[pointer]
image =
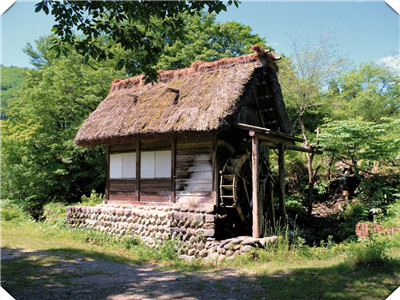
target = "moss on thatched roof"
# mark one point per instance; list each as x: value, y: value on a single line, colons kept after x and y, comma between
x: 194, y: 99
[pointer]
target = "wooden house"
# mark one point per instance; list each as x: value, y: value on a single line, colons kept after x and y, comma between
x: 193, y: 137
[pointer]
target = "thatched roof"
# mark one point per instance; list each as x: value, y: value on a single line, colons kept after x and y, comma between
x: 195, y: 99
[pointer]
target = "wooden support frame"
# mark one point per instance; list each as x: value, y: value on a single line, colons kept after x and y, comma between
x: 270, y: 208
x: 282, y: 200
x: 215, y: 166
x: 137, y: 170
x: 107, y: 190
x: 173, y: 170
x: 257, y: 207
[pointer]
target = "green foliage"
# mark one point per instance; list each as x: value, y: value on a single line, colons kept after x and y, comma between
x: 40, y: 162
x: 54, y: 214
x: 93, y: 199
x: 207, y: 40
x: 140, y: 28
x: 168, y: 249
x: 12, y: 79
x: 303, y: 79
x: 371, y: 92
x: 362, y: 142
x: 10, y: 211
x: 370, y: 254
x: 393, y: 213
x: 375, y: 192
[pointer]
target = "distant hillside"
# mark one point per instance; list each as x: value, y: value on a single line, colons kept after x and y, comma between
x: 12, y: 79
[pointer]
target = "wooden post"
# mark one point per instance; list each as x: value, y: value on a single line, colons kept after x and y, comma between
x: 173, y: 168
x: 215, y: 164
x: 270, y: 193
x: 282, y: 201
x: 255, y: 149
x: 137, y: 171
x: 107, y: 191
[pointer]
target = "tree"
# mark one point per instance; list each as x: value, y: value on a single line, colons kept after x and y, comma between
x: 40, y: 162
x: 359, y: 141
x: 12, y: 79
x: 141, y: 28
x: 372, y: 151
x: 303, y: 80
x: 371, y: 92
x: 208, y: 40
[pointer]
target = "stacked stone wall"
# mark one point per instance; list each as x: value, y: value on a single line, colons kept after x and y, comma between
x: 193, y: 228
x: 364, y: 230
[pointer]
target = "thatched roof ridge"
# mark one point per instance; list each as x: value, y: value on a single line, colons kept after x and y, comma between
x: 194, y: 99
x: 164, y: 76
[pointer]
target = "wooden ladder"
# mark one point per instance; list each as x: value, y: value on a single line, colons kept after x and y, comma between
x: 227, y: 190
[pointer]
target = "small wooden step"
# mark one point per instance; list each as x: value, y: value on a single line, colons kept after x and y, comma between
x: 227, y: 196
x: 228, y: 187
x: 229, y: 206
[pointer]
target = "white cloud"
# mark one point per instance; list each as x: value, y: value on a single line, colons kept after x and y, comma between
x: 392, y: 62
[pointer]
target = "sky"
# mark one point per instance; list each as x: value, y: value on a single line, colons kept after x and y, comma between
x: 363, y: 31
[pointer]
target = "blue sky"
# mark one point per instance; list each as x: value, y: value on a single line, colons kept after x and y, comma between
x: 363, y: 30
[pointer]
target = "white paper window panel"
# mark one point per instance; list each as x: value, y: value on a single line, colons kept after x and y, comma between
x: 163, y: 164
x: 123, y: 165
x: 115, y: 165
x: 147, y: 163
x: 129, y: 165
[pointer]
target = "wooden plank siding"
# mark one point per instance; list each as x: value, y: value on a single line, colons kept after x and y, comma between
x: 192, y: 175
x: 194, y: 171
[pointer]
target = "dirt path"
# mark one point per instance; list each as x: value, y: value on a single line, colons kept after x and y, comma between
x: 28, y: 275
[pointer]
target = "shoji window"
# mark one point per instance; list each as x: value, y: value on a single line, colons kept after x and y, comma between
x: 155, y: 164
x: 123, y: 165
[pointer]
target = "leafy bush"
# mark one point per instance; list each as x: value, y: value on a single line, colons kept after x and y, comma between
x: 9, y: 211
x: 379, y: 190
x: 371, y: 253
x: 54, y: 213
x: 93, y: 199
x: 393, y: 213
x: 168, y: 249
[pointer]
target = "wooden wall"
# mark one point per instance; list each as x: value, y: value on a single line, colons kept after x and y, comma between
x: 191, y: 181
x: 259, y: 102
x: 120, y: 190
x: 194, y: 171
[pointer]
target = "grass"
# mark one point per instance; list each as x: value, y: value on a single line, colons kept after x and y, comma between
x: 369, y: 270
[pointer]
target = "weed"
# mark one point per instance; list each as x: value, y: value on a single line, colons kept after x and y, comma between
x: 93, y: 199
x: 168, y: 249
x: 10, y: 211
x: 370, y: 253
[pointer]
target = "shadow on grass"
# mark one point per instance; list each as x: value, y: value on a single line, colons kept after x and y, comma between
x: 80, y: 274
x: 335, y: 282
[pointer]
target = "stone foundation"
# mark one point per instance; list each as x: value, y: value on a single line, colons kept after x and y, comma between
x: 193, y: 228
x: 364, y: 230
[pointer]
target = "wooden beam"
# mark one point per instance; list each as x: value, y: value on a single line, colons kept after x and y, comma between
x: 173, y: 170
x: 137, y: 171
x: 269, y: 138
x: 303, y: 149
x: 270, y: 193
x: 215, y: 166
x: 266, y: 131
x: 258, y: 106
x: 107, y: 191
x: 255, y: 149
x: 282, y: 200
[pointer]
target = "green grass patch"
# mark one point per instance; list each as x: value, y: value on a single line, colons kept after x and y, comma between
x: 286, y: 270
